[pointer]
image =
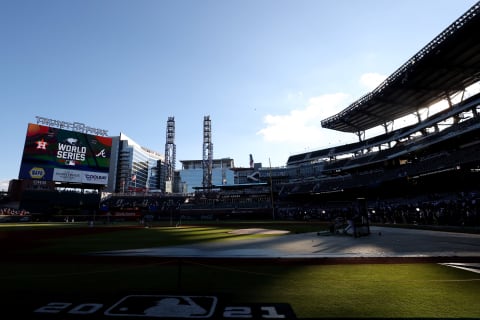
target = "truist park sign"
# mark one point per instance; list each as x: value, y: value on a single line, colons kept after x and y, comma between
x: 73, y: 126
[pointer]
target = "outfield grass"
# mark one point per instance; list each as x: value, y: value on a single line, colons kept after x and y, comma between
x: 313, y: 291
x: 380, y: 290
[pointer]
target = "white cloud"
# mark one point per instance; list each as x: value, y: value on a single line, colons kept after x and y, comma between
x: 371, y: 80
x: 4, y: 185
x: 301, y: 127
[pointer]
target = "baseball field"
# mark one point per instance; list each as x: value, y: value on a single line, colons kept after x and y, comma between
x: 65, y: 271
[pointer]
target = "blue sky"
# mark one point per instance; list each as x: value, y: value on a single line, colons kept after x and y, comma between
x: 265, y: 71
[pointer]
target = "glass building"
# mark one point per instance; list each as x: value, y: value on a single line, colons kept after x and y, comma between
x: 136, y: 168
x: 191, y: 174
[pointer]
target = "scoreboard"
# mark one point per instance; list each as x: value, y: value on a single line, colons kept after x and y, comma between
x: 54, y: 154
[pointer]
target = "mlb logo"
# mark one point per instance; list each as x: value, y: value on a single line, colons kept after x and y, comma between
x: 164, y: 306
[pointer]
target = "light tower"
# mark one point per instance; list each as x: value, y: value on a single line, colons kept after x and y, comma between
x: 207, y: 162
x: 170, y: 155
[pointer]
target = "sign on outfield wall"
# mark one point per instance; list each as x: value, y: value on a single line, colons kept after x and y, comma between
x: 53, y: 154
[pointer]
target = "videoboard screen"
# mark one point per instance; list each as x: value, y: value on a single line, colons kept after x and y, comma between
x: 54, y: 154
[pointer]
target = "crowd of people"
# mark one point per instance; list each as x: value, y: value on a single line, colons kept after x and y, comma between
x: 454, y: 209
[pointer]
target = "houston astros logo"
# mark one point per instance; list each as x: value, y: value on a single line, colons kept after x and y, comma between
x: 42, y: 144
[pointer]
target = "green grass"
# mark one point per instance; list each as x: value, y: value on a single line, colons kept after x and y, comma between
x: 133, y: 238
x: 313, y: 291
x: 405, y: 290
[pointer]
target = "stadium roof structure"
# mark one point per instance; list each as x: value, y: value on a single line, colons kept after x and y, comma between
x: 448, y: 64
